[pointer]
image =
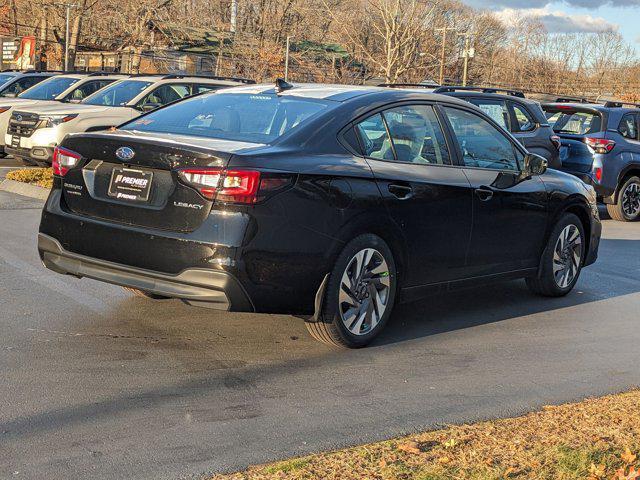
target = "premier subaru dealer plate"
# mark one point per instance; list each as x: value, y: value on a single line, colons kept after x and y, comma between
x: 129, y: 184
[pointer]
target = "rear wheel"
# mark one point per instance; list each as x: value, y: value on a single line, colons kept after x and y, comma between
x: 359, y: 295
x: 561, y: 260
x: 627, y: 208
x: 142, y: 293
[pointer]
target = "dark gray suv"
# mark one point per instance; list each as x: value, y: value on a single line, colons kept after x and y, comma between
x: 601, y: 145
x: 523, y: 117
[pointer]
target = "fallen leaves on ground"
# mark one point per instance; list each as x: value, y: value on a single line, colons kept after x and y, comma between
x: 598, y: 439
x: 43, y: 177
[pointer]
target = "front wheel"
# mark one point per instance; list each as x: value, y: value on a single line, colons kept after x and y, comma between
x: 359, y: 295
x: 627, y: 208
x: 562, y: 259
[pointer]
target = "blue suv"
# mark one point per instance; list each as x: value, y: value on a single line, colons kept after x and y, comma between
x: 601, y: 145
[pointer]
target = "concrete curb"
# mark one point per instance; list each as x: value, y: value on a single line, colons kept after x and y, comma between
x: 24, y: 189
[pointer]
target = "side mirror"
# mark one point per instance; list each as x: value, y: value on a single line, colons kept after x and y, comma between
x: 534, y: 164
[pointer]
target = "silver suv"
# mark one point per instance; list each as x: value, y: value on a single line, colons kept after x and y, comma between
x: 66, y: 88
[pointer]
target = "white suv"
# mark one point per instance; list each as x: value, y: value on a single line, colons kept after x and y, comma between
x: 67, y: 88
x: 33, y: 133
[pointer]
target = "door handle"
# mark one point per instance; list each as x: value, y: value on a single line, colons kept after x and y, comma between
x: 400, y: 191
x: 484, y: 194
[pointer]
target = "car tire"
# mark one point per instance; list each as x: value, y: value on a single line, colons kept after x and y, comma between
x: 562, y: 259
x: 352, y: 317
x: 142, y: 293
x: 627, y: 208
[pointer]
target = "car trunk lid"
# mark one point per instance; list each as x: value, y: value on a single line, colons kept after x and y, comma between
x: 134, y: 179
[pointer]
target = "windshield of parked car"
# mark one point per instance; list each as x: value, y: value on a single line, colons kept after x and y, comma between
x: 574, y: 121
x: 5, y: 78
x: 117, y: 94
x: 48, y: 89
x: 257, y: 118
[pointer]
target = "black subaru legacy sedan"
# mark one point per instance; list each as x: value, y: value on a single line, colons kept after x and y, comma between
x: 329, y: 202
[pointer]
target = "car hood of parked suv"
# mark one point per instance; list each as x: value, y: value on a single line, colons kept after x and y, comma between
x: 16, y: 101
x: 58, y: 108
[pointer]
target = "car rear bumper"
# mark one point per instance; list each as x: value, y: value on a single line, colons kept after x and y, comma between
x: 36, y: 154
x: 197, y: 286
x: 601, y: 190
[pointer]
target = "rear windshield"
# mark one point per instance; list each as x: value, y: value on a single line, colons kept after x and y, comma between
x: 573, y: 121
x: 117, y: 94
x: 48, y: 89
x: 256, y: 118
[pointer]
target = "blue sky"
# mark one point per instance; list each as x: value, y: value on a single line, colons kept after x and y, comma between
x: 576, y: 15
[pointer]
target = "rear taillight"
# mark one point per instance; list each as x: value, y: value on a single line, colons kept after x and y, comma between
x: 556, y: 140
x: 239, y: 186
x: 234, y: 186
x: 600, y: 145
x: 64, y: 160
x: 204, y: 180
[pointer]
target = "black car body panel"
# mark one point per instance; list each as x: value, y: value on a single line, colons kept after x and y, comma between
x: 277, y: 251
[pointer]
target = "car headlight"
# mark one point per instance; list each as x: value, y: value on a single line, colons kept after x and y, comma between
x: 54, y: 120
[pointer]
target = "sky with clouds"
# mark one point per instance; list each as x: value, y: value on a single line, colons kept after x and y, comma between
x: 575, y: 15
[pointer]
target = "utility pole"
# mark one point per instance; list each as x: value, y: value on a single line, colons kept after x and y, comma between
x: 286, y: 60
x: 234, y: 15
x: 68, y: 6
x: 467, y: 53
x: 443, y: 52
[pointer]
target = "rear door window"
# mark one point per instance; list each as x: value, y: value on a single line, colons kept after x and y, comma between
x: 86, y: 89
x: 482, y: 145
x: 629, y: 126
x: 496, y: 109
x: 523, y: 120
x: 376, y: 142
x: 164, y: 94
x: 416, y: 135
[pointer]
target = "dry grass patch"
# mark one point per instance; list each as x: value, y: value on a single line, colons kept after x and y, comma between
x: 42, y: 177
x: 593, y: 440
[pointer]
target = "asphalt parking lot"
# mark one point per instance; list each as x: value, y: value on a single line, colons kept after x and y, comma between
x: 97, y: 384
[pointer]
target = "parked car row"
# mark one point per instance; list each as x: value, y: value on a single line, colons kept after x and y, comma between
x: 599, y: 143
x: 330, y: 202
x: 37, y: 119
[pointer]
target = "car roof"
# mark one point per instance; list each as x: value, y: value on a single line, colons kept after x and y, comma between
x: 342, y: 93
x: 36, y: 72
x: 319, y: 91
x: 162, y: 78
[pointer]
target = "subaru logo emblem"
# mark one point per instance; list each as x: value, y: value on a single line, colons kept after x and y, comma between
x: 125, y: 153
x: 19, y: 118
